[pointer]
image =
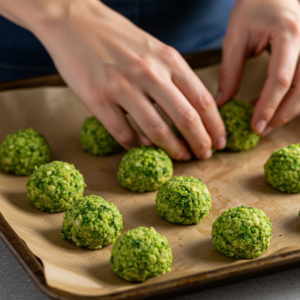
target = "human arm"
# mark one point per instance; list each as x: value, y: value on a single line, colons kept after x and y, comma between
x: 253, y: 26
x: 116, y: 68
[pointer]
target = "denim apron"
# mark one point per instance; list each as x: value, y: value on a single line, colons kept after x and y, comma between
x: 187, y: 25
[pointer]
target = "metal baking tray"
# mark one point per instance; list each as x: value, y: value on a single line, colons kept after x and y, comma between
x: 185, y: 285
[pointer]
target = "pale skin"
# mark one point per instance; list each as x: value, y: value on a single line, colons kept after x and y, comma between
x: 116, y: 68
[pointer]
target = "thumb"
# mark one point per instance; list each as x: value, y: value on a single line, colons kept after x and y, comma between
x: 232, y: 66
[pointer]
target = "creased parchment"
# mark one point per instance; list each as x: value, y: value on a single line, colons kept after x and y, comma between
x: 233, y: 179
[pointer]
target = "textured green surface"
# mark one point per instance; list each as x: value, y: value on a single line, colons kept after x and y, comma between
x: 183, y: 200
x: 21, y: 151
x: 242, y: 232
x: 91, y: 222
x: 140, y: 254
x: 282, y: 170
x: 236, y: 115
x: 144, y: 169
x: 54, y: 186
x: 96, y: 140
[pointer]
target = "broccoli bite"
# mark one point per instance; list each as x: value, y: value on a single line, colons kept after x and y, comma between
x: 183, y: 200
x: 91, y: 222
x: 140, y: 254
x: 21, y: 151
x: 282, y: 170
x: 96, y: 140
x: 236, y: 115
x: 242, y: 232
x: 54, y: 186
x: 144, y: 169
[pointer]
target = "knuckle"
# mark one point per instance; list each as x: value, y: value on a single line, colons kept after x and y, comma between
x: 158, y: 131
x: 188, y: 118
x: 225, y: 75
x: 206, y: 102
x: 144, y: 67
x: 291, y: 22
x: 202, y: 147
x: 219, y: 130
x: 283, y: 79
x: 170, y: 54
x: 267, y: 112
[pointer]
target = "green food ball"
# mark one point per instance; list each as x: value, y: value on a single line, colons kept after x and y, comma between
x: 242, y: 232
x: 236, y: 115
x: 140, y: 254
x: 21, y: 151
x: 96, y: 140
x: 91, y: 222
x: 282, y: 170
x: 54, y: 186
x: 144, y: 169
x: 183, y: 200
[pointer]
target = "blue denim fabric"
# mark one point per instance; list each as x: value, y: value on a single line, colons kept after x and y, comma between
x: 187, y: 25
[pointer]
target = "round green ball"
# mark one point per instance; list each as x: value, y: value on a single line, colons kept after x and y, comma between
x: 144, y: 169
x: 96, y: 140
x: 242, y: 232
x: 183, y: 200
x: 21, y: 151
x: 282, y: 170
x: 236, y: 115
x: 140, y: 254
x: 91, y: 222
x: 54, y: 186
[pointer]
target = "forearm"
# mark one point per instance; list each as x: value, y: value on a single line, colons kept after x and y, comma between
x: 35, y: 15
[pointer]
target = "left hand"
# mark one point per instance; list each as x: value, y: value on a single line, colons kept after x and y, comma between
x: 253, y: 26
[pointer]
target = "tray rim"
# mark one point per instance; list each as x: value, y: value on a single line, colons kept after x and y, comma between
x: 190, y: 283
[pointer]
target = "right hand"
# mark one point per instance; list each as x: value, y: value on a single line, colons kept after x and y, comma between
x: 116, y: 68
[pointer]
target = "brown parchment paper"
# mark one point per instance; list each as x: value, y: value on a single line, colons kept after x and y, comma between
x: 233, y: 179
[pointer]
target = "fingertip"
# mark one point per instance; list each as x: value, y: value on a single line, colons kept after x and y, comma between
x: 206, y: 155
x: 187, y: 156
x: 218, y: 97
x: 259, y: 126
x: 220, y: 143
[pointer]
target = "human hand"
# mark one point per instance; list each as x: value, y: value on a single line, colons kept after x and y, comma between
x: 116, y: 68
x: 253, y: 26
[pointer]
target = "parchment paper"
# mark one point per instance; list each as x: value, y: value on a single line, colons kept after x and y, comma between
x: 233, y: 179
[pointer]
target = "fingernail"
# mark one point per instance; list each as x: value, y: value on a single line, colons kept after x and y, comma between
x: 207, y: 154
x: 221, y: 143
x: 187, y: 156
x: 260, y: 126
x: 218, y: 97
x: 267, y: 131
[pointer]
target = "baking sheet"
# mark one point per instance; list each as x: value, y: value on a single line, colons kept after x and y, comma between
x: 233, y: 179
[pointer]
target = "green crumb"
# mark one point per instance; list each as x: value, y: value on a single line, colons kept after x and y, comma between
x: 236, y: 115
x: 21, y: 151
x: 282, y: 170
x: 144, y: 169
x: 140, y: 254
x: 53, y: 187
x: 96, y: 140
x: 242, y: 232
x: 91, y: 222
x: 183, y: 200
x: 280, y: 235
